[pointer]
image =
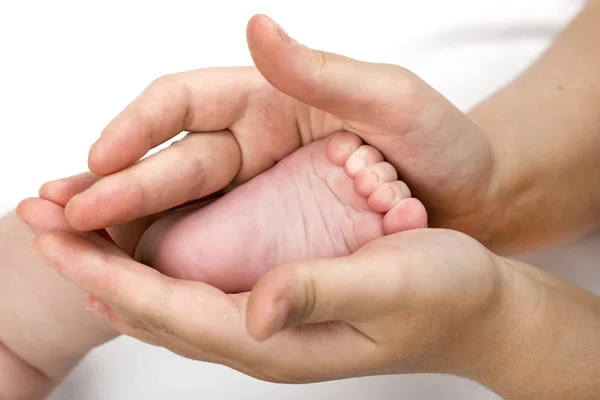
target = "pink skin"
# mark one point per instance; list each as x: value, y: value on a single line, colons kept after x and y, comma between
x: 327, y: 199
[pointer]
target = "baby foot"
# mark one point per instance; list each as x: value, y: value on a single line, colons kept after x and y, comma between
x: 327, y: 199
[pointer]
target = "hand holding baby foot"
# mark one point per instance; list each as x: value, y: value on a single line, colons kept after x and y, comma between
x: 245, y: 120
x: 327, y: 199
x: 395, y: 306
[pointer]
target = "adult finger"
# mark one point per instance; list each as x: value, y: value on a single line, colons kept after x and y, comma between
x: 105, y: 272
x: 198, y: 320
x: 382, y: 94
x: 154, y: 335
x: 60, y: 191
x: 204, y: 100
x: 196, y: 166
x: 379, y: 102
x: 42, y: 215
x: 389, y: 107
x: 347, y: 289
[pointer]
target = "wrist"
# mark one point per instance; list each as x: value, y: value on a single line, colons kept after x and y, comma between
x: 542, y: 192
x: 512, y: 357
x: 517, y: 187
x: 488, y: 348
x: 545, y: 339
x: 543, y: 130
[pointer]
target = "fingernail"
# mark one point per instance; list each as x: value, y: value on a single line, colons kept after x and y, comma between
x: 94, y: 306
x: 41, y: 188
x: 283, y: 34
x: 25, y: 224
x: 92, y: 148
x: 95, y: 312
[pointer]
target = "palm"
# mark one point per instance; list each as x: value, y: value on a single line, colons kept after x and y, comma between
x: 429, y: 155
x: 396, y: 300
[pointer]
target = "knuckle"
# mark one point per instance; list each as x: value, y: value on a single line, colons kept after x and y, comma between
x: 133, y: 322
x: 310, y: 295
x: 411, y: 92
x: 328, y: 68
x: 176, y: 89
x: 195, y: 166
x: 162, y: 81
x: 159, y: 300
x: 127, y: 323
x: 139, y: 115
x: 146, y: 336
x: 138, y: 192
x: 159, y: 320
x: 404, y: 97
x: 411, y: 84
x: 299, y: 274
x: 321, y: 59
x: 174, y: 85
x: 140, y: 308
x: 104, y: 283
x: 321, y: 64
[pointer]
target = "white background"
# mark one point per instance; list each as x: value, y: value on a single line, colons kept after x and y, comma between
x: 67, y: 67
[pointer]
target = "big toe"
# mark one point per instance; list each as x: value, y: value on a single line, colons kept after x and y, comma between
x: 341, y: 146
x: 405, y: 215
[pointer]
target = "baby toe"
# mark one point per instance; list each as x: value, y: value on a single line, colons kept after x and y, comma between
x: 369, y: 179
x: 364, y: 157
x: 387, y: 195
x: 341, y: 146
x: 406, y: 215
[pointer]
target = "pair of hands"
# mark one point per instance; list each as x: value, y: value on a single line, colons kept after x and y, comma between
x: 420, y: 301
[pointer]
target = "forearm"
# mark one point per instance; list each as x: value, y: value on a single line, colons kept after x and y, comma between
x: 18, y: 380
x: 545, y: 131
x: 549, y: 345
x: 44, y: 328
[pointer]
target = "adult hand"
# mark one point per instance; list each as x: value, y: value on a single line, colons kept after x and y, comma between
x: 260, y: 115
x: 393, y: 304
x: 419, y: 301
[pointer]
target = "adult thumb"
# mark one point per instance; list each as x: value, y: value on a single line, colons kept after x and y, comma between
x: 354, y: 288
x: 381, y: 94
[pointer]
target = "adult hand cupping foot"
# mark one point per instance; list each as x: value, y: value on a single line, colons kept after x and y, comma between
x: 450, y: 164
x: 263, y: 114
x: 321, y: 201
x: 418, y: 301
x: 471, y: 177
